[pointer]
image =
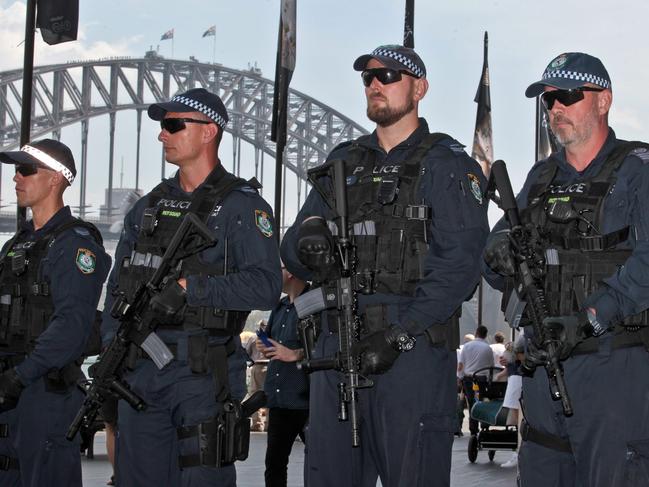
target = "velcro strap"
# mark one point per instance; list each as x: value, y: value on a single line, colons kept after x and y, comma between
x: 544, y: 439
x: 9, y: 463
x: 207, y: 435
x: 593, y: 244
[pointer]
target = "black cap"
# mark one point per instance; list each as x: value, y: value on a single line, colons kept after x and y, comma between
x: 194, y: 100
x: 395, y: 57
x: 47, y: 153
x: 571, y: 70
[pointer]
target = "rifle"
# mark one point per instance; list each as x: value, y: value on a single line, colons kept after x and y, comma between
x: 137, y: 325
x: 529, y: 289
x: 338, y: 294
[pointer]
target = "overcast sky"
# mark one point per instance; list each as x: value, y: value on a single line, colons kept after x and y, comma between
x: 524, y: 36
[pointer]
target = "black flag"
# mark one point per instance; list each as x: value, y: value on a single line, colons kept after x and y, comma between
x: 483, y: 150
x: 546, y: 142
x: 58, y: 20
x: 409, y: 25
x: 285, y: 64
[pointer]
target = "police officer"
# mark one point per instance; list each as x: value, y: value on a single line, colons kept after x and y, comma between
x: 200, y: 314
x: 286, y: 386
x: 51, y: 276
x: 589, y: 203
x: 418, y: 221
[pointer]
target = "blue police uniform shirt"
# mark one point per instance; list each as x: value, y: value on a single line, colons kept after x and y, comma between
x: 286, y: 386
x: 627, y: 291
x: 456, y: 237
x: 252, y: 251
x: 75, y: 288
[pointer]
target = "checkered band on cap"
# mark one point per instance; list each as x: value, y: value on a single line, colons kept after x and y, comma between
x: 200, y: 107
x: 407, y: 62
x: 48, y: 161
x: 585, y: 77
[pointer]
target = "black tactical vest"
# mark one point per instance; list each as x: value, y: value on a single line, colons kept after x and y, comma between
x: 389, y: 224
x: 569, y: 217
x: 25, y: 300
x: 160, y: 222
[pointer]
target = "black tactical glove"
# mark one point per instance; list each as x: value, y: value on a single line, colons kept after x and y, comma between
x: 10, y: 389
x: 498, y: 254
x: 169, y: 301
x: 379, y: 350
x: 315, y: 245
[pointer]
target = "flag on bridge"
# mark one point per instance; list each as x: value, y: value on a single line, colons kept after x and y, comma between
x: 58, y: 20
x: 483, y: 150
x: 284, y: 66
x: 210, y: 32
x: 167, y: 35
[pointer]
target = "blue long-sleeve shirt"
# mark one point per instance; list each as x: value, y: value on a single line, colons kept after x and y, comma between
x: 626, y: 292
x: 286, y: 386
x: 457, y: 233
x: 75, y: 267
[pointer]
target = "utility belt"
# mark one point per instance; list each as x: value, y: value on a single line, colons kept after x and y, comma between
x: 56, y: 380
x: 375, y: 318
x: 624, y: 338
x: 217, y: 322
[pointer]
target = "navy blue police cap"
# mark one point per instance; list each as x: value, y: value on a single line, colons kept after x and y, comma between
x: 194, y: 100
x: 47, y: 153
x: 396, y: 57
x: 571, y: 70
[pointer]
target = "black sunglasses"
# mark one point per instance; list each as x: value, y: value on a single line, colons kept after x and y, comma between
x: 565, y: 97
x: 384, y: 75
x: 173, y: 125
x: 26, y: 170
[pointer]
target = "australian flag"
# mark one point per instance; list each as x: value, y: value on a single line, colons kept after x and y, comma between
x: 58, y: 20
x: 483, y: 150
x: 167, y: 35
x: 210, y: 32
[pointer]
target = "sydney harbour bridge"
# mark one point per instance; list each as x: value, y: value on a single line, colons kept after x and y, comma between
x: 75, y: 92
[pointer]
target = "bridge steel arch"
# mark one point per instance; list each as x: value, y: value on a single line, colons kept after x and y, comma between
x: 75, y: 92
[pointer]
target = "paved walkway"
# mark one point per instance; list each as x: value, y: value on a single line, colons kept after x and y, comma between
x: 250, y: 473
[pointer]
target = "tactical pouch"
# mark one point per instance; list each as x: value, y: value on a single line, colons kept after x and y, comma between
x: 197, y: 356
x: 375, y: 318
x: 221, y: 441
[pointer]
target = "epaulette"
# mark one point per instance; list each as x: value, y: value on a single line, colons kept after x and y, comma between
x: 641, y: 153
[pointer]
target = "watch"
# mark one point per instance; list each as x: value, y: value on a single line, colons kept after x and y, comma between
x: 403, y: 342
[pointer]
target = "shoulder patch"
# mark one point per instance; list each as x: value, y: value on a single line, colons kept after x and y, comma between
x: 86, y: 261
x: 263, y: 223
x: 81, y: 231
x: 452, y: 144
x: 474, y: 186
x: 247, y: 189
x: 641, y: 153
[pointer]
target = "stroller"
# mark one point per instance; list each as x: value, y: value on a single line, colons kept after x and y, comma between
x: 493, y: 434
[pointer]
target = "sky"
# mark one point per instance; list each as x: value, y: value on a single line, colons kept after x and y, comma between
x: 523, y: 37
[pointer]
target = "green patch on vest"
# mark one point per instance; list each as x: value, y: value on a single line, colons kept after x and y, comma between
x: 175, y: 214
x: 86, y: 261
x: 262, y: 220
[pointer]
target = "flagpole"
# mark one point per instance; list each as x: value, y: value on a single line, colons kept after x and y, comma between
x: 28, y: 79
x: 214, y: 48
x: 409, y: 25
x: 173, y: 35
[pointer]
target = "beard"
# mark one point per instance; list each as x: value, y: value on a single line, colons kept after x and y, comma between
x: 385, y: 115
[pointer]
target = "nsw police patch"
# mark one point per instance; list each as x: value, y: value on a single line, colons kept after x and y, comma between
x: 474, y: 186
x: 262, y: 220
x: 86, y: 261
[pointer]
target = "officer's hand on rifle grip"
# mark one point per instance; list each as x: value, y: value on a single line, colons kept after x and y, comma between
x: 10, y: 390
x: 379, y: 350
x: 498, y: 254
x: 169, y: 301
x: 315, y: 244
